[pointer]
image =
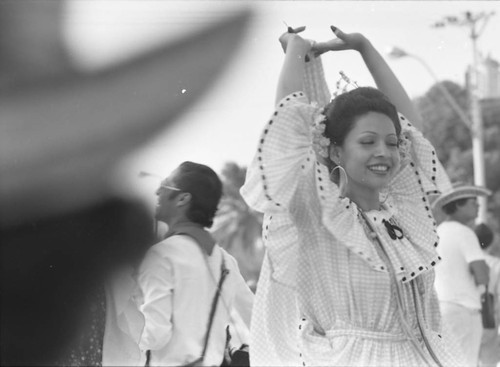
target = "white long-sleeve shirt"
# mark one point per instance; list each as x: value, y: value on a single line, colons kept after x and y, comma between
x: 178, y: 289
x: 458, y: 246
x: 124, y: 321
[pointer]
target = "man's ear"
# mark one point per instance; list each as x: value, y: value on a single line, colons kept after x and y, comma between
x: 184, y: 199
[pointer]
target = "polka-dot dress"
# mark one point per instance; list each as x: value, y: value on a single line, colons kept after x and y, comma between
x: 325, y: 295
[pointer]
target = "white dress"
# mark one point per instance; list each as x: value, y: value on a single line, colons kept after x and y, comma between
x: 325, y: 296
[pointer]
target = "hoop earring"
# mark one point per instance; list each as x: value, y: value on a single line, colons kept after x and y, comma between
x: 343, y: 180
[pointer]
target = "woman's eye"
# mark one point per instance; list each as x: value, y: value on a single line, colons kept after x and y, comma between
x: 392, y: 143
x: 365, y: 142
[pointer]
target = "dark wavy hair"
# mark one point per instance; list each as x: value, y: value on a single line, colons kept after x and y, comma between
x: 205, y: 188
x: 452, y: 207
x: 344, y: 110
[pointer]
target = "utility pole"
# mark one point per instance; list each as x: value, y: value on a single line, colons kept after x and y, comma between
x: 396, y: 53
x: 476, y: 24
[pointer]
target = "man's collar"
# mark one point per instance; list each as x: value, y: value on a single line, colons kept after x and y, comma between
x: 202, y: 237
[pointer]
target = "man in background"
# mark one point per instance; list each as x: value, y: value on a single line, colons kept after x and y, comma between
x: 462, y: 273
x: 191, y: 286
x: 489, y: 354
x: 67, y: 222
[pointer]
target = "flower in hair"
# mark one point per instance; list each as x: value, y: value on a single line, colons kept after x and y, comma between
x: 321, y: 143
x: 344, y: 84
x: 404, y: 146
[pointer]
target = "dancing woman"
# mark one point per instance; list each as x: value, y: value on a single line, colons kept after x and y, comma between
x: 345, y: 184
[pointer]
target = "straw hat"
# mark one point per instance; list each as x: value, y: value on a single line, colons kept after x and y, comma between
x: 460, y: 191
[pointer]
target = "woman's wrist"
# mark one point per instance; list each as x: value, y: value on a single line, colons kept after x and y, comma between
x: 364, y: 45
x: 298, y: 45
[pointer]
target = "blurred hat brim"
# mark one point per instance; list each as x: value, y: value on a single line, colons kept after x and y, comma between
x: 51, y: 165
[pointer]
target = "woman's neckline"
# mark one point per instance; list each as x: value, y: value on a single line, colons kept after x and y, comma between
x: 380, y: 208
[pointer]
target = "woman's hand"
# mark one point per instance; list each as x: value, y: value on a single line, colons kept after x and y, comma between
x: 385, y: 79
x: 344, y: 41
x: 292, y: 36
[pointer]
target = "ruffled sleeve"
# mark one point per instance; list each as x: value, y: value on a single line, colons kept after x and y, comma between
x: 285, y: 146
x: 419, y: 156
x: 285, y: 143
x: 420, y: 176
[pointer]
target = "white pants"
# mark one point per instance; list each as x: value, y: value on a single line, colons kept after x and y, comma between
x: 466, y: 327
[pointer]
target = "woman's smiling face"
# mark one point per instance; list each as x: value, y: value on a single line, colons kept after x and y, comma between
x: 369, y: 154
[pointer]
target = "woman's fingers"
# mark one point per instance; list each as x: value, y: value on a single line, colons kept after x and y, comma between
x: 296, y: 30
x: 347, y: 41
x: 335, y: 44
x: 319, y: 48
x: 337, y: 32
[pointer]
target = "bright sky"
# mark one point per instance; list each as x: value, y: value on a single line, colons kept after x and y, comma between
x: 225, y: 125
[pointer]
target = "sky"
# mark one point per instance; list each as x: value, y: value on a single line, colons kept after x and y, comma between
x: 225, y: 124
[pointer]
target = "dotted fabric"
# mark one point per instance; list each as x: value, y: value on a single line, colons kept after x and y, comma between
x: 325, y: 295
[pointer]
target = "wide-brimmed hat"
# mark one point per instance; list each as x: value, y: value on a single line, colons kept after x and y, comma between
x: 460, y: 191
x: 59, y: 147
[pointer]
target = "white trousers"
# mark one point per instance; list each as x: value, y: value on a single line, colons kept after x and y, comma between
x: 466, y: 327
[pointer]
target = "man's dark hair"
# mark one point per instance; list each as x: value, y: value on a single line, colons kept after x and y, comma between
x: 205, y: 188
x: 452, y: 207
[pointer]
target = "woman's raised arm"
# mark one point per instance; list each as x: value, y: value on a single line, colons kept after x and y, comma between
x: 296, y: 48
x: 384, y: 77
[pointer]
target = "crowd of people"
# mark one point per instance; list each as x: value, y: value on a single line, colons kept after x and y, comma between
x: 357, y: 270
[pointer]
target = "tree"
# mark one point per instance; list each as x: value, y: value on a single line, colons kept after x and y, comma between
x: 237, y: 227
x: 442, y: 125
x: 453, y: 141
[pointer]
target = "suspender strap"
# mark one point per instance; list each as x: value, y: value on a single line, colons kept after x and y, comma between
x: 223, y: 274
